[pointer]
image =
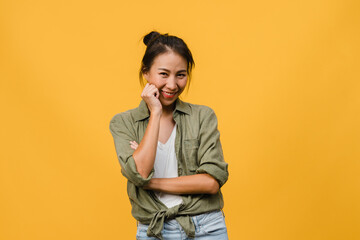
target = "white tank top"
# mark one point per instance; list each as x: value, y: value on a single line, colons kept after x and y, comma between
x: 166, y: 166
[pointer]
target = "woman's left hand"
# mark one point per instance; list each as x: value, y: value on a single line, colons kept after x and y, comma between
x: 134, y: 145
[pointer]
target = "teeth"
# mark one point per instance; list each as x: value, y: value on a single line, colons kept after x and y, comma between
x: 169, y: 93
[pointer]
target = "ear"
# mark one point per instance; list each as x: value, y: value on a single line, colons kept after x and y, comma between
x: 146, y: 75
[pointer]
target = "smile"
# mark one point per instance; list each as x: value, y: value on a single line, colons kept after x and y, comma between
x: 168, y: 94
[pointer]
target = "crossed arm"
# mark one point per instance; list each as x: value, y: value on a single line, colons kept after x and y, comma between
x: 193, y: 184
x: 144, y: 156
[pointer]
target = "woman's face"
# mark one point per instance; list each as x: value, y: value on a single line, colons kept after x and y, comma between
x: 169, y: 74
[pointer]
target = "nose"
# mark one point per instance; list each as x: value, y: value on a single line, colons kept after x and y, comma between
x: 171, y: 83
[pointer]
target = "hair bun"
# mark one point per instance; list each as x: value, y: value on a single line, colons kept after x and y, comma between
x: 149, y: 37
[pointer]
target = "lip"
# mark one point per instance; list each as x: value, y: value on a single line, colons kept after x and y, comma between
x: 168, y: 94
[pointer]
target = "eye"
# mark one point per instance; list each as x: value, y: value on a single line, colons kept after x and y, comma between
x: 181, y: 75
x: 164, y: 74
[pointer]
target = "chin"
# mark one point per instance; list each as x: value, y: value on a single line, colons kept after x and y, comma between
x: 167, y: 103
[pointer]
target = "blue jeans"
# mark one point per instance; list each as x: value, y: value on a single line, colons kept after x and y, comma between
x: 208, y: 226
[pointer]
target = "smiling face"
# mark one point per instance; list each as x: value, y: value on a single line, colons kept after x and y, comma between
x: 169, y: 74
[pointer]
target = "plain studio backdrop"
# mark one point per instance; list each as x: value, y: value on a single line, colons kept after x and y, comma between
x: 282, y: 76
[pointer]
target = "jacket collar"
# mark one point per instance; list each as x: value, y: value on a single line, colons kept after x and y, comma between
x: 142, y: 112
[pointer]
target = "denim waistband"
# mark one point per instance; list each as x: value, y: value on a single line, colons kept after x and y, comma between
x: 197, y: 219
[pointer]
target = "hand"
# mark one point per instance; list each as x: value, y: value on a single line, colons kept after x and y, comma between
x: 134, y: 145
x: 151, y: 94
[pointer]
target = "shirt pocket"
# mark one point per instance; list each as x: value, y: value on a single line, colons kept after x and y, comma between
x: 191, y: 147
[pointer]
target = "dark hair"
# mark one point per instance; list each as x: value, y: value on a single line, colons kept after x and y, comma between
x: 160, y: 43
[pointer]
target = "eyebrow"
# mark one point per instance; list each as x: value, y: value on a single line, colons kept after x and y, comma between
x: 164, y: 69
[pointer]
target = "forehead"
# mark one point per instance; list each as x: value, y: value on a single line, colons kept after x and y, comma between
x: 170, y: 60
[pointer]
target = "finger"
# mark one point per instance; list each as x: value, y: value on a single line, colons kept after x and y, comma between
x: 147, y: 87
x: 151, y: 92
x: 145, y: 94
x: 133, y: 143
x: 134, y: 146
x: 157, y: 93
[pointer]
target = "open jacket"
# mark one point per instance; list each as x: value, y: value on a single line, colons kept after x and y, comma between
x: 198, y: 150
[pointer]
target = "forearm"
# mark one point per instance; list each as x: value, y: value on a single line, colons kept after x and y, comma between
x: 193, y: 184
x: 144, y: 155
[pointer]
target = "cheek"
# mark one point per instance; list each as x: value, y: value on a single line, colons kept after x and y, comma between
x: 160, y: 82
x: 182, y: 84
x: 156, y: 80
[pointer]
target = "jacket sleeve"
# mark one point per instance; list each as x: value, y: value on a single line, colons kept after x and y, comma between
x: 123, y: 132
x: 210, y: 154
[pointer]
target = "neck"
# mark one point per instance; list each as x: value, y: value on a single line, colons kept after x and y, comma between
x: 168, y: 110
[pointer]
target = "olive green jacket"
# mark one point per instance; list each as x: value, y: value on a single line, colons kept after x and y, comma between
x: 198, y: 150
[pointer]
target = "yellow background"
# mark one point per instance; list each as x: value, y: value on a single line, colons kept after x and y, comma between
x: 282, y: 77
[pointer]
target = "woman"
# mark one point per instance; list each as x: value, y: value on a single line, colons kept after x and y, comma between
x: 176, y: 171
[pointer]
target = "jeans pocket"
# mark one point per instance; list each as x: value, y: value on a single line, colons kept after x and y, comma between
x: 214, y: 224
x: 141, y: 233
x: 208, y: 217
